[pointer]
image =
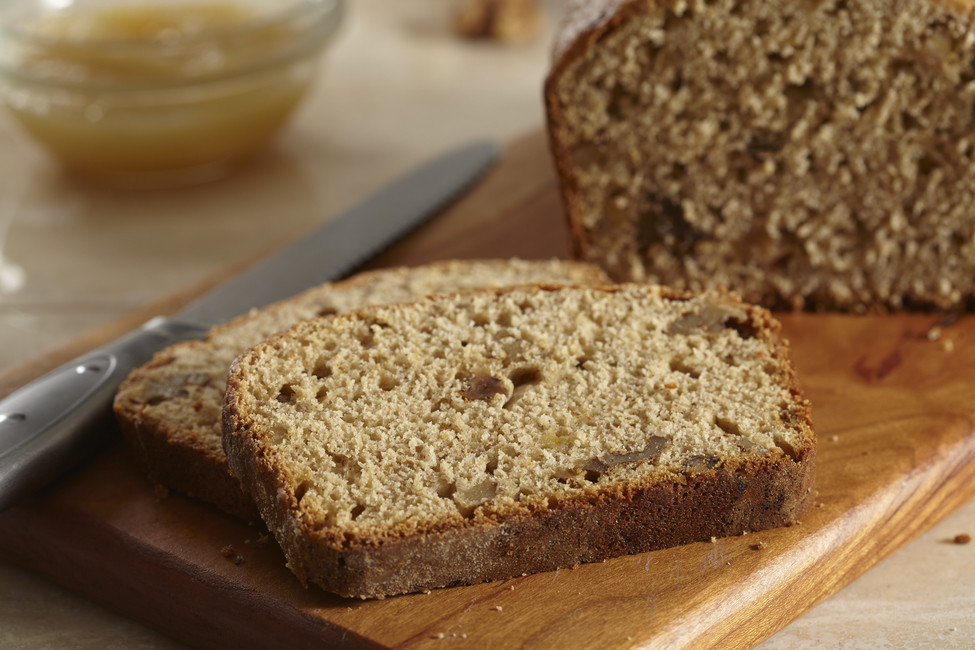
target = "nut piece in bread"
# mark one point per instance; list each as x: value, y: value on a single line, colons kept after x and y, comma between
x: 816, y: 155
x: 486, y: 434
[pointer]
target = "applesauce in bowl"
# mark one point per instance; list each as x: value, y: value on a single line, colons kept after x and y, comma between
x: 149, y: 93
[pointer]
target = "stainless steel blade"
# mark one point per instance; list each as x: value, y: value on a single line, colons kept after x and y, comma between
x: 348, y: 240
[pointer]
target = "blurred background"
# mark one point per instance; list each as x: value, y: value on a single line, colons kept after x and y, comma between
x: 400, y: 83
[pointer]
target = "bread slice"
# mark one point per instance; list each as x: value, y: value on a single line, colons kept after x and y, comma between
x: 169, y: 409
x: 815, y: 155
x: 484, y: 435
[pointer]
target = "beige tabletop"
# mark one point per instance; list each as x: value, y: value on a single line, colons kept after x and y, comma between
x: 397, y: 87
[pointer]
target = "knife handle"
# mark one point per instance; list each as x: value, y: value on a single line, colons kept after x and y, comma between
x: 49, y: 425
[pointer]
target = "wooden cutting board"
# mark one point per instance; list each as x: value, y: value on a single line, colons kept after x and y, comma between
x: 896, y: 423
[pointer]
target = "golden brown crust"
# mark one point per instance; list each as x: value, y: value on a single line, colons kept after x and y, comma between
x: 581, y: 41
x: 720, y: 497
x: 734, y: 499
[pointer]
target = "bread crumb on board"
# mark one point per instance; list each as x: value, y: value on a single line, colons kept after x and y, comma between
x: 962, y: 538
x: 230, y: 553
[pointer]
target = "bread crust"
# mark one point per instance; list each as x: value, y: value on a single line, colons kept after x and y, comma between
x: 580, y: 35
x: 738, y: 498
x: 717, y: 498
x: 173, y: 457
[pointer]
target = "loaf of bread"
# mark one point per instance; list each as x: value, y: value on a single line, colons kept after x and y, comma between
x: 816, y: 155
x: 169, y: 410
x: 487, y: 434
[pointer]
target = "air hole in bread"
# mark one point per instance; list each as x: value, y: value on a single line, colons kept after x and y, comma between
x: 388, y: 382
x: 621, y: 101
x: 801, y: 93
x: 582, y: 360
x: 592, y: 475
x: 357, y: 510
x: 287, y: 394
x: 322, y: 370
x: 730, y: 360
x: 926, y: 165
x: 679, y: 364
x: 327, y: 310
x: 480, y: 320
x: 522, y: 379
x: 367, y: 340
x: 446, y: 490
x: 301, y: 490
x: 745, y: 329
x: 492, y: 465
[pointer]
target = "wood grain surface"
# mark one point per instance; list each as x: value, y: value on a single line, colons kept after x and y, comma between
x: 893, y: 408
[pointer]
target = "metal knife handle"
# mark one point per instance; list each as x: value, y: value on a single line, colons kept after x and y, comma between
x: 48, y: 426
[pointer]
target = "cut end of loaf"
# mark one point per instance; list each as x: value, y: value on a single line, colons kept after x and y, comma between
x: 456, y: 422
x: 806, y: 155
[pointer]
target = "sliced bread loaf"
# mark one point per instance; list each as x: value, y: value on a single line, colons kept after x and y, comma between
x: 487, y: 434
x: 169, y: 410
x: 804, y: 154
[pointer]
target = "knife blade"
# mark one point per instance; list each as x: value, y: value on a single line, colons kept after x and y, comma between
x: 51, y: 424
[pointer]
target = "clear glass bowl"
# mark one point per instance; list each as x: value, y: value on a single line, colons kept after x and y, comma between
x: 157, y: 92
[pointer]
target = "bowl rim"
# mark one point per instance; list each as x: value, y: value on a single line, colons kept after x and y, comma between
x: 331, y: 11
x: 327, y: 15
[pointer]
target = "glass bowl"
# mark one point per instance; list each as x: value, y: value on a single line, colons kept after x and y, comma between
x: 158, y: 92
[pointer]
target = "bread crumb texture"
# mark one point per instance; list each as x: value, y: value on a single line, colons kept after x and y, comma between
x: 170, y: 409
x: 804, y: 154
x: 462, y: 411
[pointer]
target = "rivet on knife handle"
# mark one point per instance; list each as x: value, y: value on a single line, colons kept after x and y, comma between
x: 46, y: 426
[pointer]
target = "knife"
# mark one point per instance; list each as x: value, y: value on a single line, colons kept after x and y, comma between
x: 49, y: 425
